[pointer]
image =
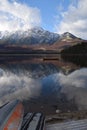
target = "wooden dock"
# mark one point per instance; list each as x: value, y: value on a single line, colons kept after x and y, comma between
x: 70, y: 125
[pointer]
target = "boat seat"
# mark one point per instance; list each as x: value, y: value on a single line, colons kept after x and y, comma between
x: 33, y: 122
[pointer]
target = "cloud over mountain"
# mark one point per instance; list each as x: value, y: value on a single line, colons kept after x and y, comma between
x: 15, y: 16
x: 74, y: 20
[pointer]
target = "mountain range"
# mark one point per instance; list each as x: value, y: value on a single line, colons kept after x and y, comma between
x: 33, y: 36
x: 37, y: 39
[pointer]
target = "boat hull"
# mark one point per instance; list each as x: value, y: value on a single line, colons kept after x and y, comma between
x: 14, y: 118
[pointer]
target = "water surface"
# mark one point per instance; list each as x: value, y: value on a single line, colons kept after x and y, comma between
x: 46, y: 86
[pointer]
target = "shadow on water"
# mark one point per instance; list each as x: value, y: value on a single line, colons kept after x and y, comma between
x: 44, y: 84
x: 80, y: 60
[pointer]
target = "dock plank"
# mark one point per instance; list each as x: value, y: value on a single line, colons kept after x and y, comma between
x: 71, y: 125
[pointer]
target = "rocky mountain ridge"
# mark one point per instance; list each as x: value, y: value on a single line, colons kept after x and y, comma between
x: 33, y: 36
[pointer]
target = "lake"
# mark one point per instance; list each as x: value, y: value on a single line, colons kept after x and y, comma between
x: 44, y: 85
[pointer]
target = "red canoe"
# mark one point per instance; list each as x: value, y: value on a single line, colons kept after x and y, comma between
x: 11, y: 116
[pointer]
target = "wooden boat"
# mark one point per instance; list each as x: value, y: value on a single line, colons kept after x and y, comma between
x: 11, y: 116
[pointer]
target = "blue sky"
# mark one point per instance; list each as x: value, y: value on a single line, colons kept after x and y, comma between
x: 53, y: 15
x: 49, y: 9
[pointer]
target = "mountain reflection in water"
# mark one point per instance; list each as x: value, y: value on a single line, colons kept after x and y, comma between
x: 44, y: 86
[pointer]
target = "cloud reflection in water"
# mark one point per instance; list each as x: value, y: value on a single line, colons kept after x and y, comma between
x: 74, y: 86
x: 13, y: 86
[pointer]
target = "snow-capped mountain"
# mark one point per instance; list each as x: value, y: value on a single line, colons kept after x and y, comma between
x: 35, y: 35
x: 68, y: 37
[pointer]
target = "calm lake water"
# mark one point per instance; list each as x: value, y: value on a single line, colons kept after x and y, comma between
x: 44, y: 86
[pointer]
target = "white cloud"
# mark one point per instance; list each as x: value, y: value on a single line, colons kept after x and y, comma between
x: 15, y: 16
x: 74, y: 20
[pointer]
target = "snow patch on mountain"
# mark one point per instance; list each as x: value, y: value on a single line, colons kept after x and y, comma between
x: 35, y: 35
